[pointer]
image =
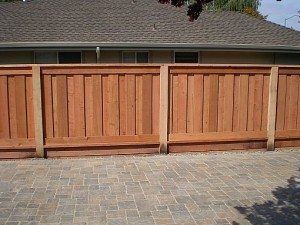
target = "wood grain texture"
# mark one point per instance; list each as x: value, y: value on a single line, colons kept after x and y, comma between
x: 21, y: 106
x: 4, y: 112
x: 29, y: 106
x: 38, y: 111
x: 244, y: 101
x: 190, y: 103
x: 218, y: 136
x: 291, y: 102
x: 258, y: 100
x: 265, y: 103
x: 272, y: 105
x: 47, y: 102
x: 60, y: 106
x: 281, y: 101
x: 228, y: 107
x: 147, y: 104
x: 182, y: 102
x: 198, y: 103
x: 236, y: 103
x: 155, y: 103
x: 98, y: 104
x: 130, y: 85
x: 251, y: 102
x: 163, y: 113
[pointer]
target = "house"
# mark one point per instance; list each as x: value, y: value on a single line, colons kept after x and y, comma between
x: 137, y: 31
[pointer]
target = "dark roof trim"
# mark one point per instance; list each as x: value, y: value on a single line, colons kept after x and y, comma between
x: 115, y: 46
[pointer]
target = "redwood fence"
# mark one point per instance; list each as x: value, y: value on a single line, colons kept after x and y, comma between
x: 77, y: 110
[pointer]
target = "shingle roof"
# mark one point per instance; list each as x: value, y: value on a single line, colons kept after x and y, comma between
x: 134, y: 22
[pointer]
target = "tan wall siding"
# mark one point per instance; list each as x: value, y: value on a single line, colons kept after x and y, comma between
x: 237, y: 57
x: 110, y: 57
x: 89, y: 57
x: 161, y: 57
x: 287, y: 58
x: 16, y: 57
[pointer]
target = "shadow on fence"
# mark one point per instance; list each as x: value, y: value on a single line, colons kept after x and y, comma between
x: 283, y: 211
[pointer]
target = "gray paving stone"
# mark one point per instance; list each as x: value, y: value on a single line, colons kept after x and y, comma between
x: 172, y: 189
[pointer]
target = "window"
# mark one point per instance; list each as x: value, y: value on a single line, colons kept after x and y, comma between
x: 135, y: 57
x: 57, y: 57
x: 186, y: 57
x: 69, y: 57
x: 45, y: 57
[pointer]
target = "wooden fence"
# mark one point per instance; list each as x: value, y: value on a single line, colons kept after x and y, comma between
x: 75, y: 110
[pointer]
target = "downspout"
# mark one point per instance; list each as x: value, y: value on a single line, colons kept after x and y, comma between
x: 98, y: 55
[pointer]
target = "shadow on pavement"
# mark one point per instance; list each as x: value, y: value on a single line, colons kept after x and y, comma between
x: 285, y: 210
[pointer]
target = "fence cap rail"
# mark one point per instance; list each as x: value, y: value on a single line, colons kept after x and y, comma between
x: 150, y: 65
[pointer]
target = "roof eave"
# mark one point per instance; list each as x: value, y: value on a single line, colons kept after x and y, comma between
x: 132, y: 45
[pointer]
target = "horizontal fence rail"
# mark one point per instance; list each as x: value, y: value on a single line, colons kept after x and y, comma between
x: 77, y: 110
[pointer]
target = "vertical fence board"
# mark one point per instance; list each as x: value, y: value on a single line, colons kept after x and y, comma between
x: 170, y: 105
x: 60, y: 106
x: 114, y: 105
x: 79, y: 112
x: 29, y: 107
x: 298, y: 114
x: 122, y: 96
x: 111, y: 105
x: 155, y: 104
x: 228, y: 107
x: 130, y: 83
x: 291, y: 102
x: 147, y: 104
x: 258, y: 99
x: 236, y: 103
x: 264, y: 120
x: 281, y: 102
x: 198, y: 103
x: 175, y: 103
x: 243, y: 110
x: 71, y: 106
x: 251, y: 102
x: 48, y: 106
x: 88, y: 95
x: 98, y: 104
x: 206, y: 112
x: 190, y: 103
x: 213, y: 103
x: 221, y: 103
x: 4, y: 116
x: 139, y: 104
x: 182, y: 102
x: 21, y: 106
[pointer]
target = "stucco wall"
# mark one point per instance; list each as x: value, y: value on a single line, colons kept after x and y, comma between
x: 16, y: 57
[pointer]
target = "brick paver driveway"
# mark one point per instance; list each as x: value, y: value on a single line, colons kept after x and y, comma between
x: 249, y: 188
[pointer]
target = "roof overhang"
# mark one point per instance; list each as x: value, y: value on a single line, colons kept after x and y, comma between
x: 22, y: 46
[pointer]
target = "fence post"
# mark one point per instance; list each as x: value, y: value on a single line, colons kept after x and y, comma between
x: 164, y: 106
x: 272, y: 107
x: 38, y: 114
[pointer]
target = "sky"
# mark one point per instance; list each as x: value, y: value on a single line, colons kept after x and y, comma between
x: 278, y: 11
